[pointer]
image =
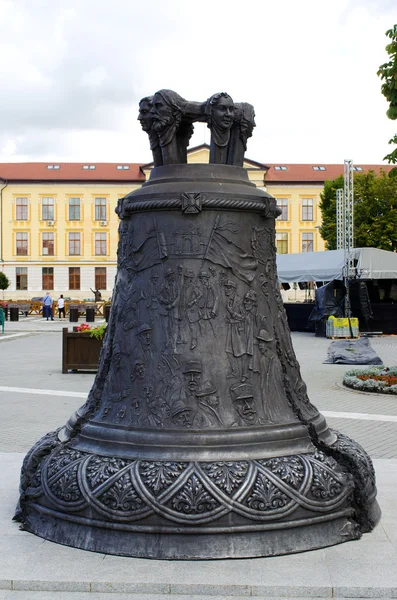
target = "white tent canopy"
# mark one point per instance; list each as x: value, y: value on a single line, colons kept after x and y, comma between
x: 325, y: 266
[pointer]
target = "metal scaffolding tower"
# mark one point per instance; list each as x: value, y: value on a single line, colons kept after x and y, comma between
x: 348, y: 205
x: 345, y: 227
x: 348, y: 232
x: 345, y: 211
x: 340, y: 220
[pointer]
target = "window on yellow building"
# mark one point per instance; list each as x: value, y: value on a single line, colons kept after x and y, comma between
x: 100, y: 243
x: 100, y: 278
x: 47, y: 278
x: 21, y: 209
x: 47, y: 209
x: 74, y: 244
x: 307, y: 209
x: 100, y: 209
x: 307, y: 242
x: 22, y: 244
x: 74, y: 278
x: 48, y: 244
x: 74, y: 209
x: 283, y: 204
x: 21, y: 275
x: 282, y: 243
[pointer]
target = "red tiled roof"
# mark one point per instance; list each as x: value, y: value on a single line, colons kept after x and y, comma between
x: 306, y: 173
x: 71, y: 172
x: 298, y: 173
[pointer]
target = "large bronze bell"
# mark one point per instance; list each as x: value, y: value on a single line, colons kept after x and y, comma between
x: 198, y: 439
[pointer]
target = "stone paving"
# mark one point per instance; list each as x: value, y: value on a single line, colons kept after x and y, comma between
x: 35, y: 397
x: 326, y: 391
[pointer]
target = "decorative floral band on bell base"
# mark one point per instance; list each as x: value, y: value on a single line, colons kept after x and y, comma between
x: 260, y: 507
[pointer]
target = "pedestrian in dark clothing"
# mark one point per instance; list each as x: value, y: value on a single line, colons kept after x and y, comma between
x: 61, y: 307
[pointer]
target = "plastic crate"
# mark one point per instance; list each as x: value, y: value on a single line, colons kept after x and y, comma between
x: 339, y: 328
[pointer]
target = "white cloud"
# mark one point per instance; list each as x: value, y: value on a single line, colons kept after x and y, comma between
x: 73, y: 72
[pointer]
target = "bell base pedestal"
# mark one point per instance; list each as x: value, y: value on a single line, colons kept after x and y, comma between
x: 195, y: 510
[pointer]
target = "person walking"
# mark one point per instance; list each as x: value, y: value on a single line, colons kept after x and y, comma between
x: 61, y: 307
x: 47, y: 306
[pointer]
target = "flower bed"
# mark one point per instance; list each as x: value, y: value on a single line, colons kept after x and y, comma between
x: 381, y: 380
x: 95, y: 332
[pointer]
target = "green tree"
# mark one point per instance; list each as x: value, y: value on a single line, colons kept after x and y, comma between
x: 328, y: 211
x: 4, y: 281
x: 388, y: 74
x: 375, y: 211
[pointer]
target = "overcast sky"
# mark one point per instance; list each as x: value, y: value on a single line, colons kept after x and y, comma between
x: 72, y: 73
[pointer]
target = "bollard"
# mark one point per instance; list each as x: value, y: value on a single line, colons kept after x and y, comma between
x: 73, y: 315
x: 90, y: 314
x: 107, y: 312
x: 14, y: 313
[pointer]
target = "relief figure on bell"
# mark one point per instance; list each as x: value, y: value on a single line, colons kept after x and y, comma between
x: 244, y: 404
x: 253, y: 321
x: 145, y: 117
x: 181, y: 414
x: 189, y: 311
x: 244, y: 123
x: 126, y: 242
x: 131, y: 317
x: 169, y: 297
x: 275, y: 404
x: 121, y: 414
x: 156, y: 410
x: 139, y: 368
x: 106, y: 412
x: 152, y: 303
x: 220, y: 112
x: 207, y: 304
x: 144, y: 348
x: 129, y: 287
x: 183, y: 403
x: 173, y: 133
x: 235, y: 338
x: 208, y: 407
x: 135, y: 410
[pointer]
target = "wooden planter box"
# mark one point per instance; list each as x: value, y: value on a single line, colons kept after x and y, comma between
x: 80, y: 351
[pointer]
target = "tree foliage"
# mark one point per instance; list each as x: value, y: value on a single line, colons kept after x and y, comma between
x: 375, y: 211
x: 4, y: 281
x: 328, y: 211
x: 388, y: 74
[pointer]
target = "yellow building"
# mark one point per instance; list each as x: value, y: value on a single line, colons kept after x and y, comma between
x: 297, y: 190
x: 58, y: 228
